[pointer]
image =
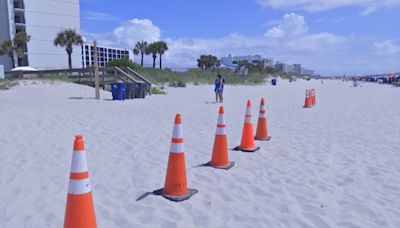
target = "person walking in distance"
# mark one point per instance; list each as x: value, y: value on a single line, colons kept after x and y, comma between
x: 219, y: 88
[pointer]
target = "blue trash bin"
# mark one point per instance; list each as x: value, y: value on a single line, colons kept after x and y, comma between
x: 273, y: 82
x: 118, y: 90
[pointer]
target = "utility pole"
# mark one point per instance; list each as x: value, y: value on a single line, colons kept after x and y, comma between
x: 96, y: 71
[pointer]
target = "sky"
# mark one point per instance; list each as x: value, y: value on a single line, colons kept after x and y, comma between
x: 332, y: 37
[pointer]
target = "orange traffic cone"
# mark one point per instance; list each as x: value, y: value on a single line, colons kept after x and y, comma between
x: 262, y: 130
x: 313, y: 97
x: 307, y: 102
x: 175, y: 187
x: 219, y: 157
x: 79, y: 212
x: 247, y: 144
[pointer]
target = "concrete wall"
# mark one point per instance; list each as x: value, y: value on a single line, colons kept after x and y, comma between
x: 44, y: 19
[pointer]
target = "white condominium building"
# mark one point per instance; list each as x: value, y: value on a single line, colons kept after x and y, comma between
x: 105, y: 54
x: 42, y: 20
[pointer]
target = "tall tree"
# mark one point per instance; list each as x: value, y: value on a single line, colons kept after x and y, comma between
x: 140, y: 47
x: 68, y: 38
x: 7, y: 48
x: 207, y: 62
x: 162, y: 47
x: 153, y: 50
x: 17, y: 46
x: 20, y: 41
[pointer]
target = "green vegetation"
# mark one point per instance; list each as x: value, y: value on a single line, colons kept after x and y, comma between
x: 67, y: 39
x: 17, y: 46
x: 177, y: 84
x: 208, y: 62
x: 195, y: 76
x: 156, y: 90
x: 155, y: 48
x: 124, y: 63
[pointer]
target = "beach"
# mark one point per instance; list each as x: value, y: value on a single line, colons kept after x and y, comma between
x: 333, y: 165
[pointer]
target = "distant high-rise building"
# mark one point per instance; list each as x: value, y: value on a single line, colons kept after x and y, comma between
x: 232, y: 61
x: 295, y: 68
x: 105, y: 54
x: 283, y: 67
x: 42, y: 20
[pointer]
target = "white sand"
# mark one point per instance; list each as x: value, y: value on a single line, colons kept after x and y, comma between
x: 335, y: 165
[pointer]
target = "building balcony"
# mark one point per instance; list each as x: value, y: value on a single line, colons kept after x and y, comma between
x: 19, y: 20
x: 19, y: 24
x: 19, y: 5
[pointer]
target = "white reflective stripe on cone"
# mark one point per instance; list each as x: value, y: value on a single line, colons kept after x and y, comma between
x: 177, y: 132
x: 248, y: 111
x: 247, y: 120
x: 221, y: 119
x: 79, y: 164
x: 262, y: 107
x: 262, y: 115
x: 220, y: 131
x: 176, y: 148
x: 78, y: 187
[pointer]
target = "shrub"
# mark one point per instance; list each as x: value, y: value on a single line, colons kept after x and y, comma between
x: 155, y: 90
x: 177, y: 84
x: 123, y: 63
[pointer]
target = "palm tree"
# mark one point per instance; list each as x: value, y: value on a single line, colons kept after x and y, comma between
x: 7, y: 48
x: 206, y: 62
x: 153, y: 49
x: 67, y: 39
x: 20, y: 41
x: 17, y: 46
x: 141, y: 48
x: 162, y: 47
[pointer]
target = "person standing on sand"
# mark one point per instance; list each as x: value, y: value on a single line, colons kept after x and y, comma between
x: 219, y: 88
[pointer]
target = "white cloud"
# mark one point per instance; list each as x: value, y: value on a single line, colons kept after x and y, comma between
x: 98, y: 16
x: 275, y: 32
x: 327, y: 53
x: 386, y: 47
x: 136, y: 30
x: 292, y: 25
x: 368, y: 6
x: 316, y: 42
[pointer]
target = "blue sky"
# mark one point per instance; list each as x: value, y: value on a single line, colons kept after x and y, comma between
x: 333, y: 37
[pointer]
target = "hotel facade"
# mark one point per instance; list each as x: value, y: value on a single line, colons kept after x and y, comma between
x: 43, y: 20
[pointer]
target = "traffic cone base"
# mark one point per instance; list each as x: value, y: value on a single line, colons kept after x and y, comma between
x: 263, y: 139
x: 226, y: 167
x: 190, y: 192
x: 254, y: 149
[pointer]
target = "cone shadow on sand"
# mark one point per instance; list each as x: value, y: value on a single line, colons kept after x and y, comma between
x: 175, y: 187
x: 220, y: 157
x: 247, y: 143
